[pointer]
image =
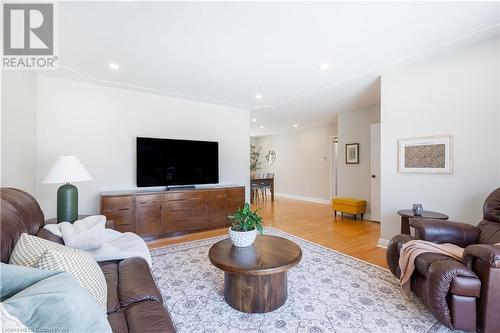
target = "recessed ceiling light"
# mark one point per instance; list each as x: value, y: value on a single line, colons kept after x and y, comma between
x: 254, y: 120
x: 295, y: 125
x: 324, y: 66
x: 114, y: 66
x: 258, y: 96
x: 261, y: 126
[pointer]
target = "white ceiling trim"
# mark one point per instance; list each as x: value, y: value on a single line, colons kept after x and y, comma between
x: 146, y: 89
x: 266, y: 106
x: 383, y: 67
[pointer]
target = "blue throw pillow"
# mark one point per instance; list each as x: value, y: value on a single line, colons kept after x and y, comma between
x: 50, y: 301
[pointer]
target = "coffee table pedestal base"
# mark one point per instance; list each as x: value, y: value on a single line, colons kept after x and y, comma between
x: 255, y: 293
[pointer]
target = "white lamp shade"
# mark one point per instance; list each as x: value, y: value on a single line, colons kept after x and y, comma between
x: 67, y: 169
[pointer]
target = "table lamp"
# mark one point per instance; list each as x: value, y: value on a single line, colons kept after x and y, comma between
x: 67, y: 169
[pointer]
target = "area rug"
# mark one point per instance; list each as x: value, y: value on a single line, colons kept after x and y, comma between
x: 327, y: 292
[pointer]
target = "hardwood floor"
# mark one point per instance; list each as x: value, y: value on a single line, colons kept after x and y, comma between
x: 313, y: 222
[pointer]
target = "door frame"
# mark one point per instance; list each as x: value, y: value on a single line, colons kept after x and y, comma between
x: 374, y: 217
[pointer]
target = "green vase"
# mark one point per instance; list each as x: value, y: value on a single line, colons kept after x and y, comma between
x: 67, y: 203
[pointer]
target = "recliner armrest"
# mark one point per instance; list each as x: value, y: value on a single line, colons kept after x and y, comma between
x: 392, y: 253
x: 438, y: 231
x: 490, y: 254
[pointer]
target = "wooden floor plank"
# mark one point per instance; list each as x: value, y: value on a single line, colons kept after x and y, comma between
x: 313, y: 222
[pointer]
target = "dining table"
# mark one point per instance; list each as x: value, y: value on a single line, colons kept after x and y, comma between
x: 262, y: 181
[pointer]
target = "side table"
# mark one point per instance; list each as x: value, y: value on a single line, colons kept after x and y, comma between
x: 406, y: 214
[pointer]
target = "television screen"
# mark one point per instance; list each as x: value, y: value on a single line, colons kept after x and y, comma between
x: 166, y: 162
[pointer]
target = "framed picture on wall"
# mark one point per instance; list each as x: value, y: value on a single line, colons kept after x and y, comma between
x: 432, y: 154
x: 352, y: 153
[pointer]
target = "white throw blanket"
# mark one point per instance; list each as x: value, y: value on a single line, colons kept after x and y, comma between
x: 91, y: 235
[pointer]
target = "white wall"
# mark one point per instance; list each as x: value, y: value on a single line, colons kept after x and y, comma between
x: 354, y: 127
x: 99, y: 125
x: 303, y: 162
x: 454, y: 93
x: 18, y: 129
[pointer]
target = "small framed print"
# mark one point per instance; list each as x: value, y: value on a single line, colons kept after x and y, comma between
x: 432, y: 154
x: 352, y: 153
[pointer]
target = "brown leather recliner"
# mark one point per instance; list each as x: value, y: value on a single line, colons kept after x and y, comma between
x: 463, y: 295
x: 134, y: 302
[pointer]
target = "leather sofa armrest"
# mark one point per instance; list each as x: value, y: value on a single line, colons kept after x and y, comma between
x: 438, y: 231
x: 392, y: 252
x: 440, y: 277
x: 490, y: 254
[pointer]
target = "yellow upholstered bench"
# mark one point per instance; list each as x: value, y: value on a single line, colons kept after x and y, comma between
x: 349, y: 206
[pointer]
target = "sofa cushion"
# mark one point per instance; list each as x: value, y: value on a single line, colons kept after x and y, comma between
x: 136, y: 283
x: 29, y: 249
x: 134, y: 302
x: 424, y: 260
x: 110, y: 270
x: 118, y: 322
x: 9, y: 323
x: 45, y: 234
x: 19, y: 213
x: 46, y: 301
x: 148, y: 317
x: 82, y: 266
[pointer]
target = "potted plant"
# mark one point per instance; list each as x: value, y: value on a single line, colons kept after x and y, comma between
x: 255, y: 164
x: 245, y: 225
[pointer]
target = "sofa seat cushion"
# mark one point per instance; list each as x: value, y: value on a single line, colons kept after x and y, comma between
x: 424, y: 260
x: 129, y: 281
x: 134, y: 302
x: 118, y: 322
x: 148, y: 317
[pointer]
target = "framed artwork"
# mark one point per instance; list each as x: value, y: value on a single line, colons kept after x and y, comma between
x: 270, y: 157
x: 432, y: 154
x: 352, y: 153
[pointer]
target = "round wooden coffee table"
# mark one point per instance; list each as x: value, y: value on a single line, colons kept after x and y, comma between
x: 255, y: 277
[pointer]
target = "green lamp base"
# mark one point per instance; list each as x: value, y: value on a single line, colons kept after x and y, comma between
x: 67, y: 203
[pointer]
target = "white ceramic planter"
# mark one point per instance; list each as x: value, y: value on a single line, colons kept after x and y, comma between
x: 242, y: 238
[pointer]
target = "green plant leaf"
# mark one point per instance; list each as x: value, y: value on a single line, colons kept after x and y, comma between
x: 244, y: 219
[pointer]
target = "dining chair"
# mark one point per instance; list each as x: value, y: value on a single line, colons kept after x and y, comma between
x: 265, y: 187
x: 256, y: 187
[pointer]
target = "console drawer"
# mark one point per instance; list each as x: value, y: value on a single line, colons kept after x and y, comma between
x: 117, y: 203
x: 184, y: 195
x: 145, y: 199
x: 235, y: 192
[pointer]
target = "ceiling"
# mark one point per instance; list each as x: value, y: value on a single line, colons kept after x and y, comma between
x: 227, y: 52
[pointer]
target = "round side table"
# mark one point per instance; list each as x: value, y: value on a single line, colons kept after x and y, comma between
x: 406, y: 214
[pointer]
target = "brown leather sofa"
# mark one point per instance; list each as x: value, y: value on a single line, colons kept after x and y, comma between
x: 134, y: 302
x: 463, y: 295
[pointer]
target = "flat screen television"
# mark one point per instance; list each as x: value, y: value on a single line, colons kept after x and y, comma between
x: 169, y: 162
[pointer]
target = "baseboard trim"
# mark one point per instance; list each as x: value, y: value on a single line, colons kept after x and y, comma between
x: 302, y: 198
x: 383, y: 243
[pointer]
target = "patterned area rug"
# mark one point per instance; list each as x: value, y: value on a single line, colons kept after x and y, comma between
x: 327, y: 292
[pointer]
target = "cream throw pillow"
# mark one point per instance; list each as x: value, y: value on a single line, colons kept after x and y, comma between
x: 9, y: 323
x: 36, y: 252
x: 29, y: 249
